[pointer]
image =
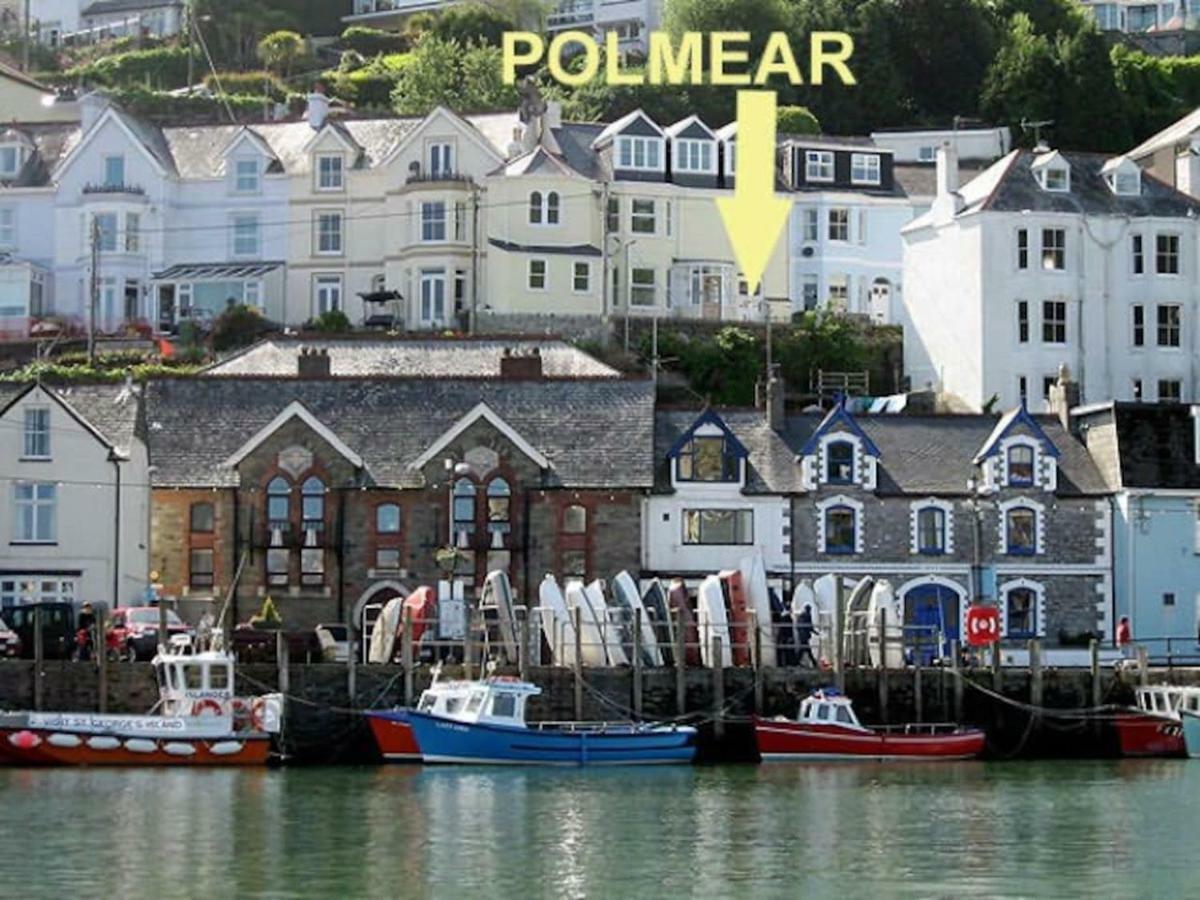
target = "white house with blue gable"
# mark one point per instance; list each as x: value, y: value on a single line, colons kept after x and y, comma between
x: 1150, y: 456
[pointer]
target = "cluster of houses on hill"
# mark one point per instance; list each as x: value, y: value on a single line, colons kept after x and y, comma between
x: 313, y: 475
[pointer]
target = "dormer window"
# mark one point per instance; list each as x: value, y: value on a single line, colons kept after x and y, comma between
x: 706, y: 458
x: 12, y: 157
x: 1020, y: 466
x: 864, y: 168
x: 839, y: 466
x: 694, y: 156
x: 1122, y: 176
x: 114, y: 171
x: 818, y: 165
x: 441, y: 159
x: 1056, y: 178
x: 246, y: 176
x: 642, y: 153
x: 330, y: 174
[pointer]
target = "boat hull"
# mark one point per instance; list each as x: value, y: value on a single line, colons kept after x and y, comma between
x: 1143, y: 734
x: 447, y: 741
x: 45, y: 747
x: 393, y: 736
x: 781, y: 739
x: 1191, y: 733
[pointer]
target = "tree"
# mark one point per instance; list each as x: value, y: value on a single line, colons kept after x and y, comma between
x: 941, y: 51
x: 473, y: 22
x: 280, y: 51
x: 1022, y: 82
x: 1090, y: 114
x: 758, y: 17
x: 463, y: 77
x: 796, y: 120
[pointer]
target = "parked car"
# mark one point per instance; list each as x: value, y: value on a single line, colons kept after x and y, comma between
x: 10, y: 642
x: 58, y: 628
x: 133, y: 631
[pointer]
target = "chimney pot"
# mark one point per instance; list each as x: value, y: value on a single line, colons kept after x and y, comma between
x: 521, y: 367
x: 313, y: 362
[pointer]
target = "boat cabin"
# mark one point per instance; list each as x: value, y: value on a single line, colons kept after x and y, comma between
x: 1168, y: 699
x: 491, y: 701
x: 194, y: 684
x: 828, y: 708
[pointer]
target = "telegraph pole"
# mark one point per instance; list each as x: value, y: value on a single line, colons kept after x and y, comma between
x: 25, y: 42
x: 93, y: 291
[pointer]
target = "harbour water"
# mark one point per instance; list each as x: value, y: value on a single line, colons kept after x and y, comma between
x: 1016, y: 829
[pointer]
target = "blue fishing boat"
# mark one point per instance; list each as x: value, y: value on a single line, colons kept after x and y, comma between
x: 484, y: 722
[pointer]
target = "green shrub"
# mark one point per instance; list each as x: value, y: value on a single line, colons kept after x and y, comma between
x: 248, y: 84
x: 157, y: 105
x: 333, y: 322
x: 373, y: 41
x: 163, y: 68
x: 371, y: 86
x: 238, y: 326
x: 796, y: 120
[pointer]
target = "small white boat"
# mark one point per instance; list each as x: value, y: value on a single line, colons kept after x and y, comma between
x: 383, y: 632
x: 883, y: 597
x: 497, y: 605
x: 610, y: 628
x: 754, y: 577
x: 713, y: 622
x: 629, y: 601
x: 556, y: 622
x: 654, y: 600
x: 591, y: 634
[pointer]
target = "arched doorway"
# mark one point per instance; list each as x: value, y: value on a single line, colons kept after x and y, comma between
x: 368, y: 605
x: 932, y: 609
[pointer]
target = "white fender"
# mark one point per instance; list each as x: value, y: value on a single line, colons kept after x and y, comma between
x: 67, y: 741
x: 226, y: 748
x: 178, y: 748
x: 101, y: 742
x: 141, y: 745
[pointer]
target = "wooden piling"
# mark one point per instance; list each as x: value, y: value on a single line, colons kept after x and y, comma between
x: 1036, y: 692
x: 918, y: 687
x: 406, y: 656
x: 351, y: 664
x: 839, y: 630
x: 1143, y: 665
x: 1094, y: 660
x: 997, y: 672
x: 884, y: 692
x: 680, y: 669
x: 39, y: 658
x: 101, y: 663
x: 281, y: 661
x: 637, y: 662
x: 577, y: 620
x: 956, y: 676
x: 523, y: 650
x: 718, y: 687
x: 164, y: 636
x: 757, y: 661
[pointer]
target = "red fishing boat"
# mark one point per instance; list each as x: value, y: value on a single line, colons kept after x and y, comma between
x: 828, y: 729
x: 677, y: 601
x: 199, y: 723
x: 1154, y: 728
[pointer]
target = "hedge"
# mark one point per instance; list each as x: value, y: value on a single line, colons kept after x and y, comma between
x: 248, y: 84
x: 373, y: 41
x: 371, y: 86
x: 163, y: 68
x: 190, y: 107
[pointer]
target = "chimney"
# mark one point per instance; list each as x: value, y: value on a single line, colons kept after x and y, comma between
x: 553, y: 116
x: 317, y: 110
x: 521, y: 366
x: 1064, y: 396
x: 313, y: 362
x: 947, y: 202
x: 91, y: 107
x: 775, y: 396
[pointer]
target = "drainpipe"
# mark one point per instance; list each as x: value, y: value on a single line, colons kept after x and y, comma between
x: 1112, y: 562
x: 604, y: 263
x: 474, y: 259
x: 116, y: 573
x: 341, y: 556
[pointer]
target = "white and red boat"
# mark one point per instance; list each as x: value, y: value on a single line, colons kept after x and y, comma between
x: 828, y: 729
x: 198, y: 722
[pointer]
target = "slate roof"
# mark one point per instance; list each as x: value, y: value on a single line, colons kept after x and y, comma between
x: 112, y: 410
x: 1156, y: 445
x: 410, y: 358
x: 52, y: 141
x: 770, y: 467
x: 596, y: 434
x: 1016, y: 189
x: 920, y: 179
x: 1176, y: 133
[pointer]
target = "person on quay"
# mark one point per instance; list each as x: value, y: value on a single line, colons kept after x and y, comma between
x: 1124, y: 635
x: 804, y: 632
x: 85, y: 632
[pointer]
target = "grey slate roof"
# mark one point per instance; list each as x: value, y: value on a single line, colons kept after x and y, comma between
x: 52, y: 141
x: 770, y: 468
x: 1155, y: 445
x: 1017, y: 189
x: 597, y: 433
x: 112, y: 410
x: 575, y: 140
x: 920, y: 179
x: 410, y: 358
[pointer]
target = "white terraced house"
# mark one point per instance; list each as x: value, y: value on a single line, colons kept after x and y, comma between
x: 1052, y: 258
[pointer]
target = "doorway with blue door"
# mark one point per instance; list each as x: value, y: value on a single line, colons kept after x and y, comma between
x: 932, y: 613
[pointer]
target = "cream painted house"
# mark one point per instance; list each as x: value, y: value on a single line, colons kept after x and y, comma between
x: 24, y: 99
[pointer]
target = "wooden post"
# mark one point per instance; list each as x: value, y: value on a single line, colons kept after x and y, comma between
x: 918, y: 687
x: 680, y: 670
x: 882, y: 672
x: 351, y: 663
x: 997, y: 675
x: 406, y: 656
x: 101, y: 663
x: 1143, y: 665
x: 718, y: 676
x: 39, y: 658
x: 839, y: 628
x: 956, y: 674
x: 281, y: 661
x: 1035, y: 672
x: 577, y: 619
x: 1094, y: 658
x: 637, y: 662
x: 758, y: 669
x: 523, y: 650
x: 163, y: 635
x: 469, y: 620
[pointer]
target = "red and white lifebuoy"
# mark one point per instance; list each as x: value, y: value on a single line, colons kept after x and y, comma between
x: 206, y: 707
x: 258, y: 710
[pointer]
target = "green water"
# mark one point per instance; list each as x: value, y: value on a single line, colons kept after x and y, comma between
x: 1123, y: 829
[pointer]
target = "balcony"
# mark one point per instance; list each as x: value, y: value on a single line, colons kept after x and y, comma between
x: 134, y: 190
x: 419, y: 176
x: 572, y: 14
x: 375, y: 9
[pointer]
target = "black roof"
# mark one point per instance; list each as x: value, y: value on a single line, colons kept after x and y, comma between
x: 1155, y: 444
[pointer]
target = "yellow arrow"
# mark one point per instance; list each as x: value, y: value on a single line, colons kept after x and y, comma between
x: 754, y: 217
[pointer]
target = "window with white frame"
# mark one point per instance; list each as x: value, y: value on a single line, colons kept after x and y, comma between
x: 537, y: 274
x: 812, y: 224
x: 329, y: 233
x: 441, y: 159
x: 839, y: 224
x: 1020, y: 460
x: 433, y: 220
x: 544, y: 208
x: 1138, y: 324
x: 433, y: 296
x: 839, y: 293
x: 839, y: 462
x: 810, y: 290
x: 643, y: 153
x: 8, y: 226
x: 36, y: 443
x: 246, y: 176
x: 1022, y: 248
x: 330, y: 174
x: 114, y: 171
x: 245, y: 235
x: 252, y: 294
x: 926, y: 153
x: 581, y: 277
x: 21, y: 590
x: 1170, y: 324
x: 1022, y: 321
x: 1054, y: 249
x: 818, y: 165
x: 1137, y: 256
x: 12, y: 157
x: 643, y: 217
x: 133, y: 232
x: 612, y: 218
x: 931, y: 530
x: 1170, y: 390
x: 718, y: 526
x: 106, y: 232
x: 864, y: 168
x: 1020, y: 525
x: 642, y: 288
x: 1166, y: 254
x: 841, y: 527
x: 1020, y: 611
x: 1054, y: 322
x: 694, y: 156
x: 34, y: 507
x: 327, y: 293
x: 1056, y: 178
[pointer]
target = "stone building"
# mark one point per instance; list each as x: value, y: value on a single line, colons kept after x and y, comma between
x: 330, y: 493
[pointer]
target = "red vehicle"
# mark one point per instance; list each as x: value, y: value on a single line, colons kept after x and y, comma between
x: 133, y: 632
x: 827, y: 729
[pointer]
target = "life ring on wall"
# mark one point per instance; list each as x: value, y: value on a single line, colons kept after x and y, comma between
x: 258, y: 709
x: 207, y: 706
